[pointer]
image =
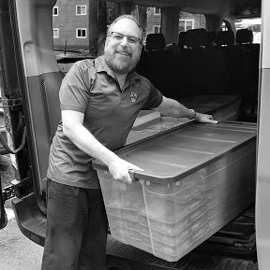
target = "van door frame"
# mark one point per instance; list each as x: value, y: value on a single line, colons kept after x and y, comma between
x: 263, y: 150
x: 3, y: 215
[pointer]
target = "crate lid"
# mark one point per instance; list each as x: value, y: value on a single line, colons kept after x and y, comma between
x: 178, y: 152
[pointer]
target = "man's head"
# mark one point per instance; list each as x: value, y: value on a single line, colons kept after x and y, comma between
x: 123, y: 44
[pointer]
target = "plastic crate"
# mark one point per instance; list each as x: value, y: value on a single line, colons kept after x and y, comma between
x: 204, y: 186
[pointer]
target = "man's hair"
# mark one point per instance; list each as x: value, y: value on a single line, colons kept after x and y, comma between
x: 125, y: 16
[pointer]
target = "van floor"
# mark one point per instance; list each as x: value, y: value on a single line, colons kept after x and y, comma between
x: 124, y: 257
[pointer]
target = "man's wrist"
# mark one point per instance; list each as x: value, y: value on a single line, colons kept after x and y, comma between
x: 192, y: 114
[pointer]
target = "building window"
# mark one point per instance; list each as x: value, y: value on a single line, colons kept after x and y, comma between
x: 55, y: 33
x: 156, y: 29
x: 81, y: 33
x: 189, y: 24
x: 157, y: 11
x: 55, y: 11
x: 81, y: 10
x: 186, y: 24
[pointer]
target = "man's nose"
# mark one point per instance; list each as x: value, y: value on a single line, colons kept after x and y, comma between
x: 124, y: 41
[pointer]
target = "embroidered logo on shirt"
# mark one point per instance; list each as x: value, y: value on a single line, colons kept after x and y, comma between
x: 133, y: 97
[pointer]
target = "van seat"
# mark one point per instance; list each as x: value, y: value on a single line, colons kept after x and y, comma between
x: 244, y: 39
x: 201, y: 70
x: 224, y: 38
x: 182, y: 39
x: 238, y: 62
x: 155, y: 42
x: 156, y: 63
x: 181, y: 44
x: 244, y: 36
x: 211, y: 35
x: 196, y: 38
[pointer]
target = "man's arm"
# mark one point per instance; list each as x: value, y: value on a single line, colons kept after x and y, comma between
x: 74, y: 130
x: 171, y: 107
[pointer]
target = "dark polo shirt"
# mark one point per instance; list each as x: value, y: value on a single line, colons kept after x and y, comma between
x: 90, y: 87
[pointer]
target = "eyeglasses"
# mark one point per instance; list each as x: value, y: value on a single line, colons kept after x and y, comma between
x: 130, y: 39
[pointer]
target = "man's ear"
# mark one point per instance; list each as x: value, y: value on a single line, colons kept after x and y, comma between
x: 106, y: 42
x: 142, y: 48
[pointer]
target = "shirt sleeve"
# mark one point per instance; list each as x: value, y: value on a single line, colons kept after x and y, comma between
x: 154, y: 99
x: 74, y: 91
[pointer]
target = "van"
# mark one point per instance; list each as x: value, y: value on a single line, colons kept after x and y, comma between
x: 212, y: 65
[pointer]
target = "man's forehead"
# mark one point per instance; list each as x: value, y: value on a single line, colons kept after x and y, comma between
x: 126, y: 26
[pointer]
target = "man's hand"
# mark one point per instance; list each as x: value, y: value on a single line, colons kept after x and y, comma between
x: 205, y: 118
x: 120, y: 168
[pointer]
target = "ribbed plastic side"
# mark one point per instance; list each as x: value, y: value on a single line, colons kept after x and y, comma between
x: 125, y: 257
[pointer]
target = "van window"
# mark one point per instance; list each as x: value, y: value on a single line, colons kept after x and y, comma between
x: 189, y: 21
x: 252, y: 24
x: 186, y: 24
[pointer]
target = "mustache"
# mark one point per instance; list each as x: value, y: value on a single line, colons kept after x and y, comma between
x: 124, y: 51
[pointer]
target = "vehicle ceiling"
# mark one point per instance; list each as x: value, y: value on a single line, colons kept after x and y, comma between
x: 236, y: 8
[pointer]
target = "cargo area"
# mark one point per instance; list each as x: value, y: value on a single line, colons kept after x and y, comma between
x: 205, y: 62
x: 196, y: 179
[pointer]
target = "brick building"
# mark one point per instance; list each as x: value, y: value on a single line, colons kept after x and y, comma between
x: 71, y: 22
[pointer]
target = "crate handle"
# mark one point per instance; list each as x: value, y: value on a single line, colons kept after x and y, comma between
x: 132, y: 175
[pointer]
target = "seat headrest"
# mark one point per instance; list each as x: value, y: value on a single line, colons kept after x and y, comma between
x: 244, y: 36
x: 182, y: 39
x: 196, y: 38
x: 155, y: 42
x: 224, y: 38
x: 211, y: 35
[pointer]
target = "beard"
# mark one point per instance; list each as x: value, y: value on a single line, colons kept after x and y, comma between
x: 120, y: 61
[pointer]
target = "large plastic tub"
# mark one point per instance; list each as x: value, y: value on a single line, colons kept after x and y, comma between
x: 196, y: 179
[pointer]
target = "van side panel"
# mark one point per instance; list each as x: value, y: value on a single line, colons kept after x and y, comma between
x: 42, y: 79
x: 263, y: 175
x: 44, y: 115
x: 263, y: 168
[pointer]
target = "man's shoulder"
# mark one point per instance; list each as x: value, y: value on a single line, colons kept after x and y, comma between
x: 142, y: 79
x: 84, y: 69
x: 97, y: 64
x: 85, y: 64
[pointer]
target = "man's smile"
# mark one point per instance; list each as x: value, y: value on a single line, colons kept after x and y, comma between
x: 125, y: 53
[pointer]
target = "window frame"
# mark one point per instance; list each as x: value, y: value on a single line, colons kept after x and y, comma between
x: 57, y: 30
x: 77, y: 32
x: 156, y: 26
x: 81, y: 14
x: 155, y: 11
x: 57, y: 9
x: 185, y: 23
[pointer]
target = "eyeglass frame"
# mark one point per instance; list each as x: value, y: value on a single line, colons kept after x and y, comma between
x: 121, y: 36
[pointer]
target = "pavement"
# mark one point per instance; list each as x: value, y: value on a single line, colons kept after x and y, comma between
x: 17, y: 251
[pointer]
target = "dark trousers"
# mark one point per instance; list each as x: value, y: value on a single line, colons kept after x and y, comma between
x: 77, y: 229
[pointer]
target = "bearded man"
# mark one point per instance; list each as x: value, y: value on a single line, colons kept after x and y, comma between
x: 100, y: 100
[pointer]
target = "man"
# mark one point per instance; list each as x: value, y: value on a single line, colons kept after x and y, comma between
x: 99, y: 101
